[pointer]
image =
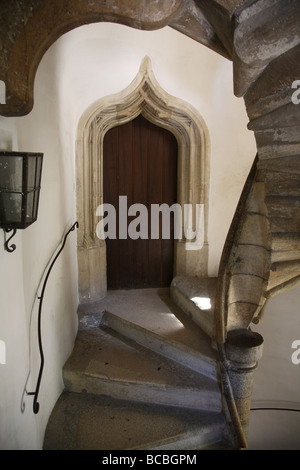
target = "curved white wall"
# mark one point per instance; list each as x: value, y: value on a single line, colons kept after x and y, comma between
x: 99, y: 60
x: 81, y: 67
x: 277, y: 379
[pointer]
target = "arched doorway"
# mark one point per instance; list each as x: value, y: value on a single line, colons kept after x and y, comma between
x: 143, y: 97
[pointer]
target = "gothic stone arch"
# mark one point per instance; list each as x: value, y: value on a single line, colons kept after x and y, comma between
x: 143, y: 96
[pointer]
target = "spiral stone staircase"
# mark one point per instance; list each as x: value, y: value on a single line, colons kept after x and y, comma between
x: 205, y: 397
x: 144, y: 377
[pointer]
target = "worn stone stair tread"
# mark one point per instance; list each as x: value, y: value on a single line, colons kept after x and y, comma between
x: 88, y: 422
x: 172, y: 349
x: 155, y: 310
x: 103, y: 362
x: 196, y: 297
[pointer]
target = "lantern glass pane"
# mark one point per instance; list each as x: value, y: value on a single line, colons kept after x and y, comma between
x: 11, y: 173
x: 11, y: 209
x: 32, y: 166
x: 20, y: 175
x: 29, y: 214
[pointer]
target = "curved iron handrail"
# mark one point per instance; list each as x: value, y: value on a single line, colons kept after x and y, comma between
x: 36, y: 405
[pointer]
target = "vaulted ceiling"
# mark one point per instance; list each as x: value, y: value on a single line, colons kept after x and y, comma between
x: 250, y: 33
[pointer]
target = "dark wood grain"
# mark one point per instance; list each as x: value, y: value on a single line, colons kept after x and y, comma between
x: 140, y: 162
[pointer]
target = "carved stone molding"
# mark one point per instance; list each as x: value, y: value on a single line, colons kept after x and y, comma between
x: 143, y: 96
x: 28, y: 28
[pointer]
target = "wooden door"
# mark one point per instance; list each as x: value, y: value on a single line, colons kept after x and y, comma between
x: 140, y: 162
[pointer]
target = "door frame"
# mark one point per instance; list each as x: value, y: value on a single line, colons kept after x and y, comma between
x: 143, y: 96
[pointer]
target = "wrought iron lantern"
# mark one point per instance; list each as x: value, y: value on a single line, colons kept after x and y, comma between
x: 20, y: 177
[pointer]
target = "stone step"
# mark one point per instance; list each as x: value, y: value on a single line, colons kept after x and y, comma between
x: 286, y: 242
x: 169, y: 348
x: 286, y: 267
x: 288, y: 164
x: 278, y: 279
x: 283, y: 206
x: 104, y: 363
x: 88, y: 422
x: 154, y: 310
x: 196, y: 297
x: 282, y: 184
x: 284, y: 224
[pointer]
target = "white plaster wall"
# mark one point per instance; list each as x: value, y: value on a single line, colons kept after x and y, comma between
x: 81, y: 67
x: 102, y: 59
x: 17, y: 429
x: 22, y: 274
x: 277, y: 379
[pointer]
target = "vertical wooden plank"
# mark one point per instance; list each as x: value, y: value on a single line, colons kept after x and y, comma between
x: 140, y: 197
